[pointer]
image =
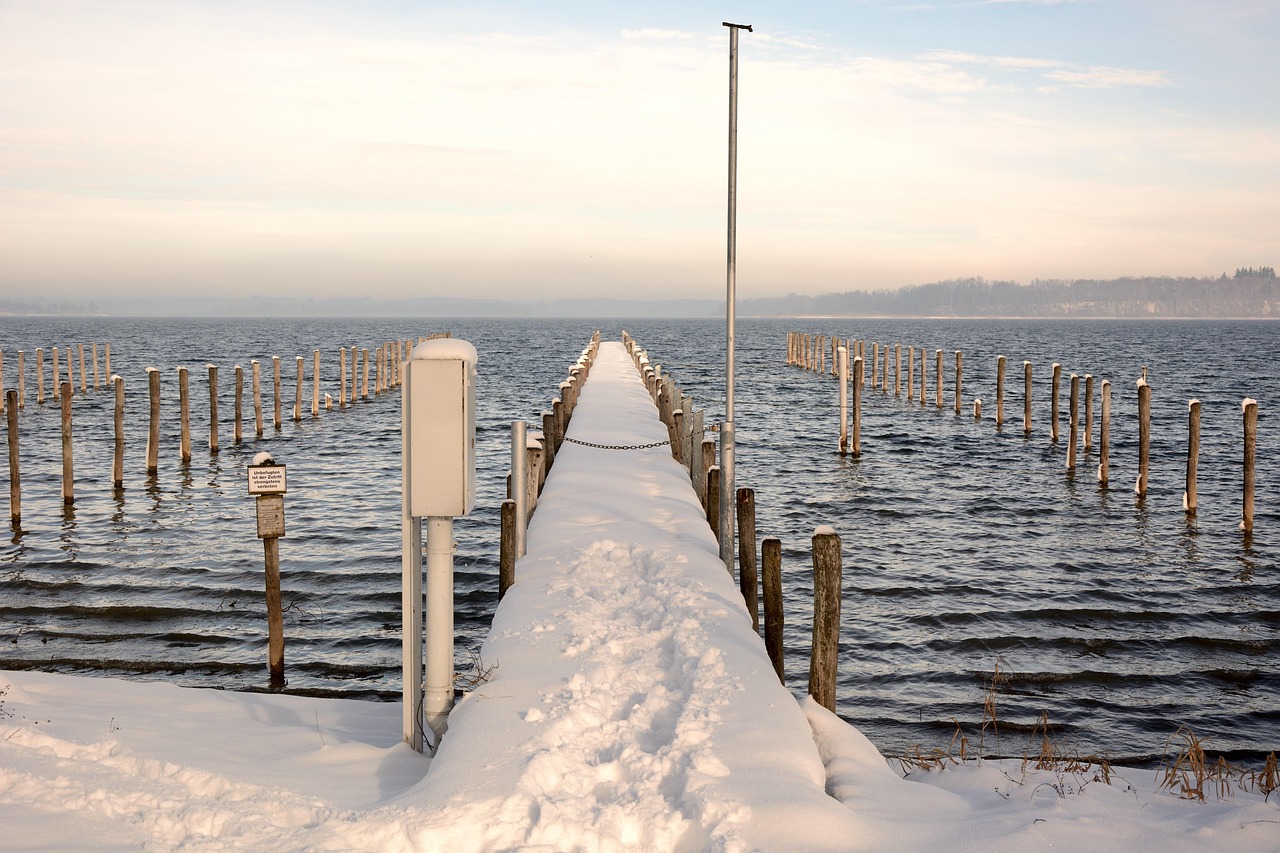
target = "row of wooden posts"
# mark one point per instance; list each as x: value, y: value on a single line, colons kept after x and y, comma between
x: 387, y: 375
x: 56, y: 383
x: 533, y: 454
x: 810, y: 353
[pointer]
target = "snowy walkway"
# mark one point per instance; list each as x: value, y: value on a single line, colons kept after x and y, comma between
x: 632, y: 706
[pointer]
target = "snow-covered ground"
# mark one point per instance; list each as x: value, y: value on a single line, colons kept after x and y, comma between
x: 627, y: 706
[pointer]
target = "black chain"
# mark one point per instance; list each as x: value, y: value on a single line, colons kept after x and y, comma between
x: 617, y: 446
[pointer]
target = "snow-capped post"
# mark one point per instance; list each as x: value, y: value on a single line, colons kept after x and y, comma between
x: 1053, y: 402
x: 519, y: 441
x: 1026, y: 398
x: 213, y: 407
x: 153, y: 432
x: 267, y: 482
x: 843, y: 358
x: 117, y: 458
x: 1073, y: 407
x: 15, y: 478
x: 438, y: 482
x: 68, y: 473
x: 1144, y: 434
x: 1104, y: 436
x: 1193, y: 455
x: 771, y: 586
x: 1250, y: 407
x: 747, y: 568
x: 238, y: 429
x: 977, y: 408
x: 315, y: 383
x: 959, y: 378
x: 184, y: 417
x: 1000, y: 369
x: 40, y: 375
x: 825, y: 654
x: 1088, y: 411
x: 937, y: 376
x: 855, y: 437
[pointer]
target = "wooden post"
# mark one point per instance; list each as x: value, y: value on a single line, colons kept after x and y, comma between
x: 708, y: 462
x: 1026, y: 398
x: 856, y: 438
x: 1074, y: 408
x: 1250, y: 407
x: 22, y: 379
x: 1144, y: 435
x: 355, y: 370
x: 364, y: 374
x: 924, y: 382
x: 1088, y: 411
x: 257, y: 397
x: 4, y: 398
x: 297, y: 397
x: 748, y: 577
x: 771, y: 583
x: 106, y: 358
x: 713, y: 500
x: 68, y: 474
x: 1104, y: 436
x: 911, y: 373
x: 97, y: 384
x: 117, y: 462
x: 977, y: 408
x: 1193, y: 455
x: 1000, y: 366
x: 937, y: 375
x: 844, y: 400
x: 275, y: 613
x: 342, y: 377
x: 213, y: 407
x: 40, y: 375
x: 507, y: 549
x: 1053, y: 403
x: 239, y: 432
x: 315, y: 383
x: 57, y: 379
x: 84, y: 385
x: 184, y: 416
x: 875, y: 362
x: 824, y: 658
x: 153, y: 432
x: 959, y: 378
x: 884, y: 376
x: 15, y: 477
x: 328, y: 402
x: 275, y: 370
x: 897, y: 370
x: 550, y: 440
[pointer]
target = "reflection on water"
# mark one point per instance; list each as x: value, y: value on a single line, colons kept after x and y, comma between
x: 962, y: 543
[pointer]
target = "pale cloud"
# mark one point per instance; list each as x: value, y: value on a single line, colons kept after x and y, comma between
x: 1110, y: 78
x: 657, y: 34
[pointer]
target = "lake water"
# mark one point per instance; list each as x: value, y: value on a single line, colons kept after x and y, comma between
x: 964, y: 546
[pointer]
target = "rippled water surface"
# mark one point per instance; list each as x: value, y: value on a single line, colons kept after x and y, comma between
x: 964, y: 545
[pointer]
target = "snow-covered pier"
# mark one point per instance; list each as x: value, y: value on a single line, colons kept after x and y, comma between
x: 629, y: 698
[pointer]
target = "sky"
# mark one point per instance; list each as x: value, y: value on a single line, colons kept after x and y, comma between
x: 396, y: 148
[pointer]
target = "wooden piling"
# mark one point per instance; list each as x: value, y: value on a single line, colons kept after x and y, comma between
x: 924, y: 379
x: 708, y: 462
x: 1250, y: 407
x: 57, y: 379
x: 22, y: 379
x: 1104, y: 436
x: 275, y: 613
x: 959, y: 379
x: 824, y: 658
x: 747, y: 568
x: 977, y: 408
x: 342, y: 377
x: 97, y: 384
x: 897, y: 370
x: 1193, y: 456
x: 153, y: 431
x: 257, y: 397
x: 297, y: 397
x: 1000, y: 367
x: 239, y: 430
x: 275, y: 371
x: 117, y: 460
x: 1074, y: 409
x: 713, y: 500
x: 315, y: 383
x: 1053, y: 403
x: 1088, y: 411
x: 184, y: 417
x: 84, y: 385
x: 507, y: 548
x: 911, y: 373
x: 15, y: 476
x: 844, y: 400
x: 106, y: 358
x: 68, y: 473
x: 856, y: 434
x: 875, y: 361
x: 213, y: 407
x: 40, y: 375
x: 1144, y: 436
x: 884, y: 375
x: 1026, y: 398
x: 937, y: 375
x: 771, y: 586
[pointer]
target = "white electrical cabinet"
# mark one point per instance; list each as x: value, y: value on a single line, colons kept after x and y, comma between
x: 440, y: 428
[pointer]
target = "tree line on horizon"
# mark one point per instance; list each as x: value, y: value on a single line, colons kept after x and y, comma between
x: 1251, y: 293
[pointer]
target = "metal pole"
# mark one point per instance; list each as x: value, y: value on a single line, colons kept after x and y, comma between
x: 439, y: 669
x: 727, y: 492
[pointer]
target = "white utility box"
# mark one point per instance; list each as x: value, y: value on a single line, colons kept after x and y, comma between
x: 440, y: 428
